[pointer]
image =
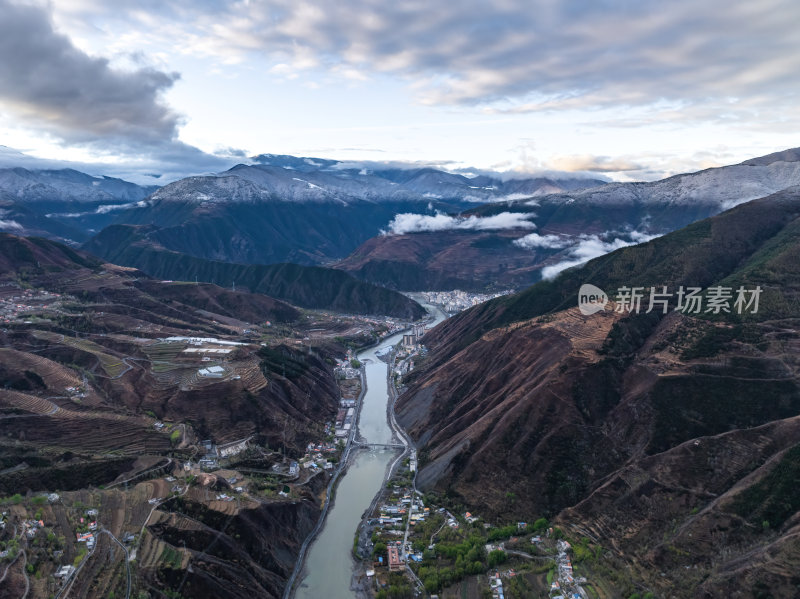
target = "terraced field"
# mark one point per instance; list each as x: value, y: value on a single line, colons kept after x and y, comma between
x: 88, y: 431
x: 55, y: 376
x: 112, y: 365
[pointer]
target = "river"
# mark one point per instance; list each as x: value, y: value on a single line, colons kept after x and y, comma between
x: 329, y: 564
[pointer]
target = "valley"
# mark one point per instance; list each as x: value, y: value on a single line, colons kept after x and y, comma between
x: 176, y: 423
x: 151, y: 430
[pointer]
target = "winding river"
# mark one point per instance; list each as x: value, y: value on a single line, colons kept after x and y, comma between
x: 329, y: 564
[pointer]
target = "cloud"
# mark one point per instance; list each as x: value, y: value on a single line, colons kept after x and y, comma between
x: 50, y: 83
x: 534, y: 240
x: 10, y: 225
x: 593, y: 164
x: 521, y: 55
x: 418, y: 223
x: 588, y: 247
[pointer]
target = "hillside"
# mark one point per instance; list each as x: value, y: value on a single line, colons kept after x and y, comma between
x: 651, y: 433
x: 306, y: 286
x: 103, y: 400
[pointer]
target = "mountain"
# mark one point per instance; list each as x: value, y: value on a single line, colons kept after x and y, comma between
x: 306, y: 286
x: 669, y: 439
x: 304, y: 210
x: 355, y: 178
x: 444, y: 260
x: 570, y: 228
x: 310, y: 210
x: 62, y: 203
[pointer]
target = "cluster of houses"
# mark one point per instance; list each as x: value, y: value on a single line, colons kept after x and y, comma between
x: 412, y: 338
x: 347, y: 403
x: 344, y: 421
x: 567, y: 586
x: 31, y: 527
x: 26, y: 301
x: 391, y: 514
x: 496, y: 584
x: 317, y: 456
x: 457, y: 300
x: 209, y: 460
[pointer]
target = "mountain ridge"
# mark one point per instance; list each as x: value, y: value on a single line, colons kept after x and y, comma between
x: 306, y: 286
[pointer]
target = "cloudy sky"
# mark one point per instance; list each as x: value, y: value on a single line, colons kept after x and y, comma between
x: 631, y: 89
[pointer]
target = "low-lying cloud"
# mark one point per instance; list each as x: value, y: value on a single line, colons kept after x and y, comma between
x: 587, y: 247
x: 10, y: 225
x: 533, y: 241
x: 418, y: 223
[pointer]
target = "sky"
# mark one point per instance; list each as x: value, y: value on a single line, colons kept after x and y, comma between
x: 623, y: 89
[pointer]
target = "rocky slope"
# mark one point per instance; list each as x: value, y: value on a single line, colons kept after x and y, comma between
x: 669, y: 438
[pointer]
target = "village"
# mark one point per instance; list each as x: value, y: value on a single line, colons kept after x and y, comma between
x: 16, y: 302
x: 457, y: 300
x: 47, y: 540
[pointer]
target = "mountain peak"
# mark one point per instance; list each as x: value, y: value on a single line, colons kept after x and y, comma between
x: 790, y: 155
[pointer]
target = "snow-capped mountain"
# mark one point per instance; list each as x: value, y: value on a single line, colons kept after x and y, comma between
x: 68, y: 185
x: 561, y: 230
x: 287, y: 178
x: 62, y: 203
x: 725, y: 186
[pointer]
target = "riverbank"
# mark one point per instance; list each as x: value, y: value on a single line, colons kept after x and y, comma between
x: 329, y: 562
x: 328, y: 569
x: 330, y: 496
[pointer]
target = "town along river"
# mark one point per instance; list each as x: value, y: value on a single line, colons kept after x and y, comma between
x: 329, y: 563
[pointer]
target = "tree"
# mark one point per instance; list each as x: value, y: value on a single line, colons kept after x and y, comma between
x: 379, y: 549
x: 540, y: 524
x: 497, y: 557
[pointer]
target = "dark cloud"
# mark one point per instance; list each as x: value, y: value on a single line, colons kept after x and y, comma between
x: 48, y: 82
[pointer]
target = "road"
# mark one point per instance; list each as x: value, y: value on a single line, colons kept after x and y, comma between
x: 142, y: 473
x: 67, y: 588
x: 409, y: 450
x: 127, y: 558
x: 25, y: 574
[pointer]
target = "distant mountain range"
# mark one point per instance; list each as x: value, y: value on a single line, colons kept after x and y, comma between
x: 669, y: 438
x: 403, y: 228
x: 62, y: 204
x: 282, y: 208
x: 306, y: 210
x: 563, y: 228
